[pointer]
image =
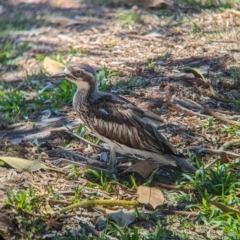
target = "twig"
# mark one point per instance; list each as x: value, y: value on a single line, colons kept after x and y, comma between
x: 172, y: 187
x: 59, y: 202
x: 146, y: 38
x: 65, y: 152
x: 91, y: 203
x: 188, y: 104
x: 229, y: 144
x: 191, y: 112
x: 169, y: 211
x: 214, y: 95
x: 86, y: 141
x: 31, y: 214
x: 213, y: 151
x: 197, y: 105
x: 65, y: 216
x: 220, y: 117
x: 60, y: 160
x: 184, y: 213
x: 234, y: 12
x: 211, y: 163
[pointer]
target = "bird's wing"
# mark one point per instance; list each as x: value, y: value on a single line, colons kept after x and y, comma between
x: 121, y: 121
x: 149, y: 117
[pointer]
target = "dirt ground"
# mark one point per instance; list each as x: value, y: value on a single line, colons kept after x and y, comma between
x: 164, y: 51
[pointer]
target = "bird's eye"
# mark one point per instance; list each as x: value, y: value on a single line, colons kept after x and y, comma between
x: 78, y: 73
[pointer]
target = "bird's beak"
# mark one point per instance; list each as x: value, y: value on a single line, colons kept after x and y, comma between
x: 59, y: 75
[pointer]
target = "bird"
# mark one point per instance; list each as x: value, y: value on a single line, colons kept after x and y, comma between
x: 125, y: 127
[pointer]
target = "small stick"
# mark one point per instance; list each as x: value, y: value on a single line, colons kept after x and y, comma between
x: 91, y: 203
x: 220, y: 117
x: 191, y: 112
x: 209, y: 150
x: 172, y: 187
x: 229, y: 144
x: 81, y: 164
x: 85, y: 141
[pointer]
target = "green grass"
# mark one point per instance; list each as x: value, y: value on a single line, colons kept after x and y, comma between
x: 10, y: 54
x: 219, y: 184
x: 17, y: 23
x: 66, y: 56
x: 112, y: 43
x: 103, y: 78
x: 130, y: 17
x: 211, y: 3
x: 151, y: 63
x: 29, y: 201
x: 18, y: 104
x: 126, y: 85
x: 22, y: 104
x: 104, y: 179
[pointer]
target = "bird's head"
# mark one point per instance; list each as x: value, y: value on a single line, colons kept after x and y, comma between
x: 81, y: 74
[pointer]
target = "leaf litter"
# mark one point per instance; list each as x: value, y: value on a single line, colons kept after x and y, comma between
x: 157, y: 53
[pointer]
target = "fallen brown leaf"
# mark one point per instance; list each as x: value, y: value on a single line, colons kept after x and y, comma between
x: 227, y: 209
x: 23, y: 164
x: 224, y: 158
x: 152, y: 196
x: 196, y: 72
x: 234, y: 12
x: 144, y: 168
x: 54, y: 223
x: 51, y: 66
x: 122, y: 217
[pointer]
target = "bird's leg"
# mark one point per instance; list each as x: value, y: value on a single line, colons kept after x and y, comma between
x: 113, y: 158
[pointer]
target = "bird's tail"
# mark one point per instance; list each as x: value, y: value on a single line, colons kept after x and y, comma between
x: 182, y: 163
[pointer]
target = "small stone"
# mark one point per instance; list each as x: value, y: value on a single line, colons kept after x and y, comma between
x: 101, y: 223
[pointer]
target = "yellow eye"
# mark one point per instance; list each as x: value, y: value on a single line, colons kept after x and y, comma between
x: 78, y: 73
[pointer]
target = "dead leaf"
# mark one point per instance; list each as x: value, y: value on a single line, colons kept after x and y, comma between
x: 46, y: 210
x: 234, y: 12
x: 8, y: 225
x: 224, y: 157
x: 23, y: 164
x: 144, y: 168
x: 152, y: 196
x: 225, y: 208
x: 54, y: 223
x: 63, y: 21
x: 196, y: 72
x: 237, y: 193
x: 122, y: 217
x: 51, y: 66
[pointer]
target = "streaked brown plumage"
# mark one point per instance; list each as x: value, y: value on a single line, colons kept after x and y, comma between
x: 125, y: 127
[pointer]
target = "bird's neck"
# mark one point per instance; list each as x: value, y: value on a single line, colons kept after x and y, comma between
x: 83, y: 94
